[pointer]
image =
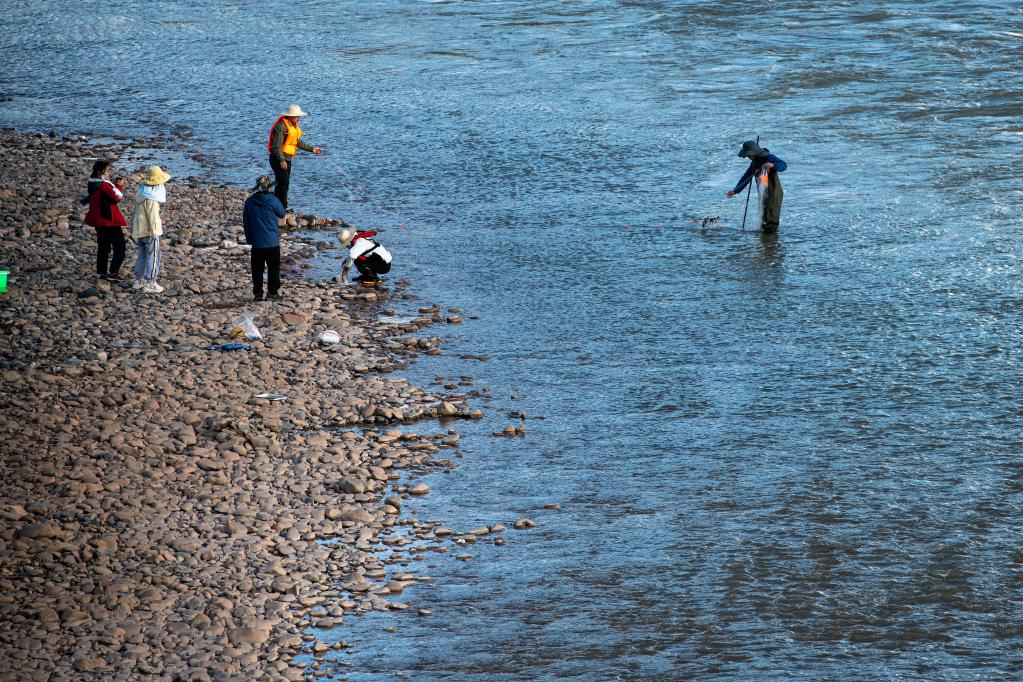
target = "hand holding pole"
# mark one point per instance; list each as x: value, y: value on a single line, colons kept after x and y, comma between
x: 749, y: 188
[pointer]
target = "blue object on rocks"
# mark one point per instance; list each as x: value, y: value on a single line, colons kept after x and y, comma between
x: 230, y: 346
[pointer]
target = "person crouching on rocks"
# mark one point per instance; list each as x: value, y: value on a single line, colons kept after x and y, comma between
x: 146, y: 228
x: 370, y: 257
x: 263, y: 233
x: 106, y: 217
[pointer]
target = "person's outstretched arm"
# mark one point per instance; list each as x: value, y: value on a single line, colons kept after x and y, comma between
x: 743, y: 180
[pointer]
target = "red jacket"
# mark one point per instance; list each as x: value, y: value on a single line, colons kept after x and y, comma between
x: 103, y: 199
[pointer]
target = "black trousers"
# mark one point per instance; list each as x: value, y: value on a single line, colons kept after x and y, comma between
x: 282, y: 176
x: 107, y: 239
x: 372, y: 267
x: 271, y: 260
x: 364, y: 269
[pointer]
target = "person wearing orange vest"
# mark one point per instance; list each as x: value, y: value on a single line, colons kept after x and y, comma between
x: 284, y: 142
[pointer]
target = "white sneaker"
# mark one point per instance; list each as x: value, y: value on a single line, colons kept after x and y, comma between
x: 138, y: 284
x: 152, y: 288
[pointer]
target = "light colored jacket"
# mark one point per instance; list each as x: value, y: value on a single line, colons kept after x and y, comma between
x: 146, y: 220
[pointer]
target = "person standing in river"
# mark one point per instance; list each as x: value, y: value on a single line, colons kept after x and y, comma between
x: 283, y: 144
x: 761, y: 159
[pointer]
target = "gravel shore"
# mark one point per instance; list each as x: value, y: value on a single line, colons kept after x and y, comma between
x: 159, y: 520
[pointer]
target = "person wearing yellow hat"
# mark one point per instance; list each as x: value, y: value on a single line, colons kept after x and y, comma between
x: 283, y: 144
x: 146, y: 229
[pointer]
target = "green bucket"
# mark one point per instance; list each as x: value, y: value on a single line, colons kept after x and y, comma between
x: 3, y: 280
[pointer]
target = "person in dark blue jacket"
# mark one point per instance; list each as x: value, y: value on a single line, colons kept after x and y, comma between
x: 762, y: 159
x: 263, y: 233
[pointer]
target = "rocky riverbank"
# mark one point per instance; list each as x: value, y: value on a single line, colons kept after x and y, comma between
x: 160, y: 520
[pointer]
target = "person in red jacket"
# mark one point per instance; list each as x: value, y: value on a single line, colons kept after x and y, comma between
x: 105, y: 216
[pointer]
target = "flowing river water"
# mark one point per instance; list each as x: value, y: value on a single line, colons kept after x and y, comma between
x: 776, y: 458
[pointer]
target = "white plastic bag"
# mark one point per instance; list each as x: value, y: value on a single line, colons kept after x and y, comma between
x: 244, y: 326
x: 330, y: 337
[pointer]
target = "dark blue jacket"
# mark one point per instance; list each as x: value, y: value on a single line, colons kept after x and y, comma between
x: 754, y: 168
x: 259, y: 218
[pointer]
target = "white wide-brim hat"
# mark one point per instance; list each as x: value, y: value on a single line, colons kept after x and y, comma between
x: 345, y: 236
x: 294, y: 110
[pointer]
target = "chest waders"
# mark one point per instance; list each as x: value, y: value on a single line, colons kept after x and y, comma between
x: 771, y: 200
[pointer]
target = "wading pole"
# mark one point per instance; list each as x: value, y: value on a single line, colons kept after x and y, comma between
x: 749, y: 188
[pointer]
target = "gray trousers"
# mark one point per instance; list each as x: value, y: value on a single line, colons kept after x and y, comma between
x: 147, y: 258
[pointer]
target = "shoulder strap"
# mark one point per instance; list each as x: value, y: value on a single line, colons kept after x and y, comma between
x: 369, y: 250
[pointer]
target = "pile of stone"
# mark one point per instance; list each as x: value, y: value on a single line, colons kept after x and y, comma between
x: 164, y: 504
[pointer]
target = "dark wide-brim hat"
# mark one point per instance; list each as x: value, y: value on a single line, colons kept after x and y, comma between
x: 751, y: 150
x: 263, y: 184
